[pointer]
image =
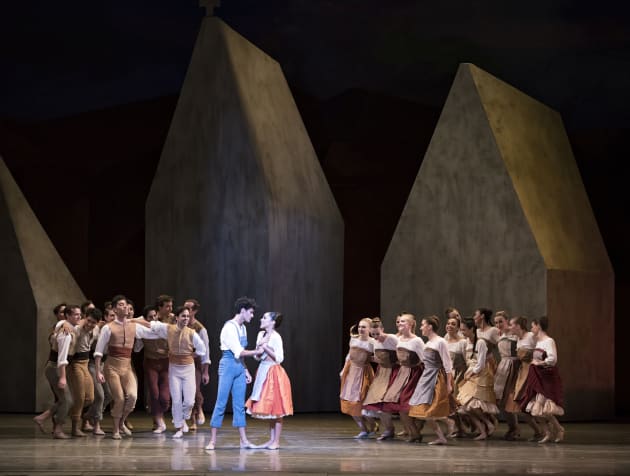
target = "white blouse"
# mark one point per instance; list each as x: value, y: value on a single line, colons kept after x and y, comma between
x: 439, y: 344
x: 548, y: 345
x: 275, y: 342
x: 528, y: 341
x: 390, y: 343
x: 480, y: 359
x: 415, y: 344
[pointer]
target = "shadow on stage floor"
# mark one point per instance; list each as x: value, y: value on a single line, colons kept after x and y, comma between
x: 311, y: 443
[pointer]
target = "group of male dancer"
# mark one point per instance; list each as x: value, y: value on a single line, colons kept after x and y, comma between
x: 90, y: 365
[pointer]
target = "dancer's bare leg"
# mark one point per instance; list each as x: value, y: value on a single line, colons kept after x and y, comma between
x: 116, y: 429
x: 243, y: 435
x: 41, y: 418
x: 276, y: 432
x: 213, y: 438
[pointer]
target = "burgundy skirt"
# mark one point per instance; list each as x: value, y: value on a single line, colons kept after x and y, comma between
x: 402, y: 405
x: 543, y: 380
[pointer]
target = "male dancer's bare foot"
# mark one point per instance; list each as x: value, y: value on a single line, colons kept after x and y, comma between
x: 40, y: 423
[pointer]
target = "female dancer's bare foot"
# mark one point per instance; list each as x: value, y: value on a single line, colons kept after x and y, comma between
x: 482, y: 436
x: 266, y: 444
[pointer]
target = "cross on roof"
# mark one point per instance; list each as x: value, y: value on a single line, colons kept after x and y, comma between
x: 210, y: 6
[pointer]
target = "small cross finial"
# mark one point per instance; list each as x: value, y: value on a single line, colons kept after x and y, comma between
x: 210, y: 6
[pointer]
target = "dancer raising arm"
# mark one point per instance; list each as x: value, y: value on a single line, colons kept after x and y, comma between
x: 357, y: 375
x: 385, y: 356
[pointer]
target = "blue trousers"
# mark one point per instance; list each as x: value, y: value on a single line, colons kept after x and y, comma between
x: 231, y: 381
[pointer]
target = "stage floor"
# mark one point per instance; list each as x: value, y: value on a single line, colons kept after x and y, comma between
x: 313, y: 444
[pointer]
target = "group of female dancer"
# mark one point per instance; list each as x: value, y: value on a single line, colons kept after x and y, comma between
x: 462, y: 380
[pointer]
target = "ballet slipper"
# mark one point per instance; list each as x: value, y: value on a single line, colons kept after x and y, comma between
x: 439, y: 441
x: 545, y: 438
x: 210, y: 446
x: 559, y: 435
x: 386, y: 435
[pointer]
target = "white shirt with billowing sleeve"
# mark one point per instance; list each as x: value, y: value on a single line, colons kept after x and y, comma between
x: 275, y: 342
x: 414, y: 344
x: 230, y: 337
x: 548, y: 345
x: 103, y: 339
x: 491, y: 334
x: 161, y: 330
x: 63, y: 344
x: 482, y: 352
x: 441, y: 347
x: 205, y: 359
x: 528, y: 341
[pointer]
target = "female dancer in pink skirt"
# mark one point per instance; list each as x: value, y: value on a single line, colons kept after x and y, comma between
x: 271, y: 396
x: 356, y: 377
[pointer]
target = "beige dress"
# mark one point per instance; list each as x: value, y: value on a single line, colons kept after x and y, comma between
x: 477, y: 393
x: 356, y: 376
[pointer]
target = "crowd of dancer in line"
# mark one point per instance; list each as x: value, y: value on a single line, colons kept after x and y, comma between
x: 458, y: 383
x: 90, y: 366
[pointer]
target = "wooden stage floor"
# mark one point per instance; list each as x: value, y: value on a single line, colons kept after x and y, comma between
x: 321, y: 444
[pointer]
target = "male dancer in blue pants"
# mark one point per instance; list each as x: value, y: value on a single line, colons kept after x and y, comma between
x: 233, y: 375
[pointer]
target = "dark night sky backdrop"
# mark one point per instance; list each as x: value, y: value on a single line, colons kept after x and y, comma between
x: 62, y: 58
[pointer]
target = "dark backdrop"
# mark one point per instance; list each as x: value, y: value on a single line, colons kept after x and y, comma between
x: 87, y: 177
